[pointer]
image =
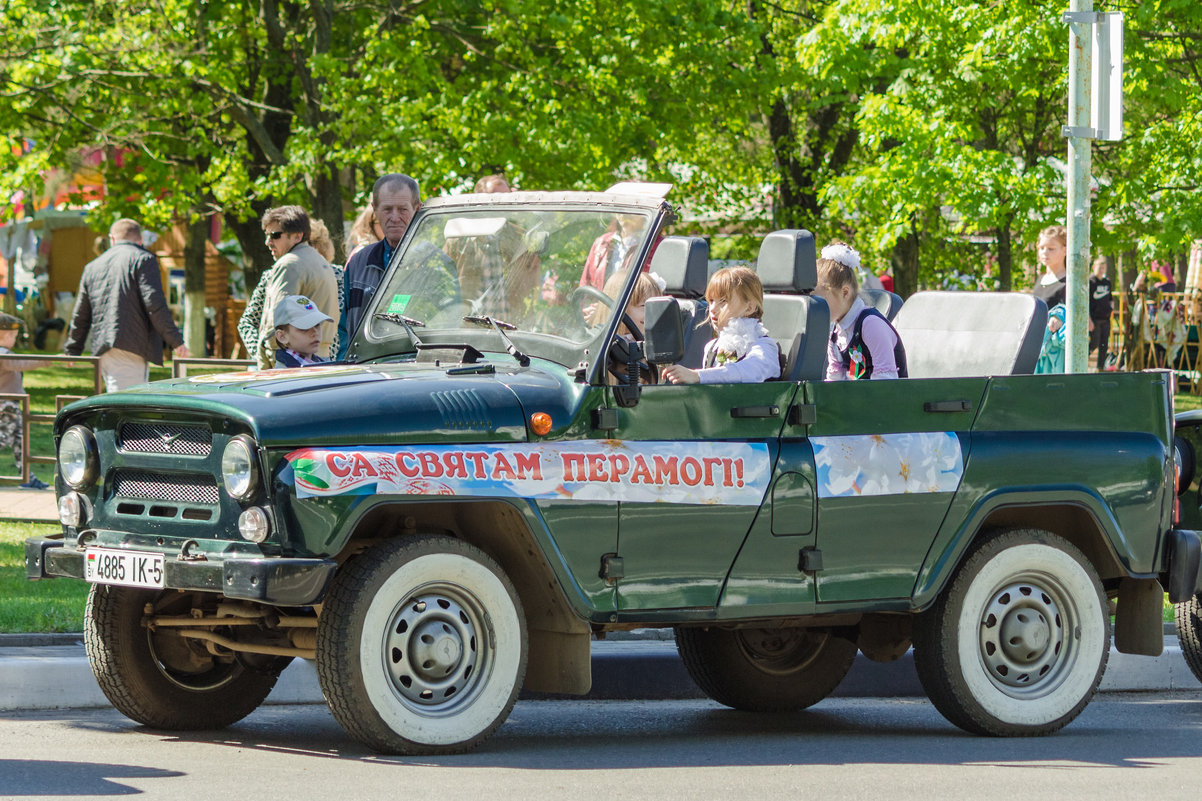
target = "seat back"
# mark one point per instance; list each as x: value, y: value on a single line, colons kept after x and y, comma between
x: 799, y: 322
x: 971, y: 333
x: 683, y: 263
x: 883, y: 301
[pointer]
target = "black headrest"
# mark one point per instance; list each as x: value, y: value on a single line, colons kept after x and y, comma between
x: 787, y: 262
x: 682, y: 261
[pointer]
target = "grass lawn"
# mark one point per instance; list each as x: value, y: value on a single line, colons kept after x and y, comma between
x: 35, y: 606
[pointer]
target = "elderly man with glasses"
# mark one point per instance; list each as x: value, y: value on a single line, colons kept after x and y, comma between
x: 298, y: 270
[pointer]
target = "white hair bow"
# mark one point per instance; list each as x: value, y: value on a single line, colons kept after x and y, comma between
x: 842, y: 254
x: 659, y: 280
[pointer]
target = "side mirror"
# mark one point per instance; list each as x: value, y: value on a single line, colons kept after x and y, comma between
x: 663, y: 331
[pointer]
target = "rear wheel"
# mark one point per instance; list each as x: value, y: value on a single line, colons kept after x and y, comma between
x: 1018, y: 642
x: 1189, y: 633
x: 765, y: 670
x: 163, y: 680
x: 421, y: 646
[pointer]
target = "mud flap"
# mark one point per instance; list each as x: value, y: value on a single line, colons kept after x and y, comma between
x: 1138, y: 620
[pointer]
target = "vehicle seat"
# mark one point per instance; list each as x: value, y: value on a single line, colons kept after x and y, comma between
x: 883, y: 301
x: 799, y: 322
x: 683, y: 262
x: 971, y: 333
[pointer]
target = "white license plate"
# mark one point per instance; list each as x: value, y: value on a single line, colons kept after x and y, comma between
x: 128, y: 568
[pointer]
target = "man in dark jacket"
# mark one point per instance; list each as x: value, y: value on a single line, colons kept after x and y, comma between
x: 395, y: 198
x: 122, y: 305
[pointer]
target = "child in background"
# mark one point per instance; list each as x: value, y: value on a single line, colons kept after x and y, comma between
x: 298, y: 331
x: 1051, y: 352
x: 863, y: 343
x: 742, y: 352
x: 646, y: 286
x: 11, y: 425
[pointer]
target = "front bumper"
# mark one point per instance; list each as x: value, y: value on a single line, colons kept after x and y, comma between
x: 1183, y: 575
x: 278, y: 581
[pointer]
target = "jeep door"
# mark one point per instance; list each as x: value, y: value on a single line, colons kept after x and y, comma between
x: 712, y: 448
x: 889, y: 456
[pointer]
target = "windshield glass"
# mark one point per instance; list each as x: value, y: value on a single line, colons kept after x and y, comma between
x: 550, y: 272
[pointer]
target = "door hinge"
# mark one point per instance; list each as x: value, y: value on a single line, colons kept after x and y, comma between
x: 612, y: 568
x: 605, y: 419
x: 803, y: 414
x: 809, y: 560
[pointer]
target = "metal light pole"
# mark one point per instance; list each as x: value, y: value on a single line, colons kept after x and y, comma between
x: 1079, y: 133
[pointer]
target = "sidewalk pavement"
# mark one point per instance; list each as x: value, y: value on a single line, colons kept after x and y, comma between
x: 28, y: 505
x: 51, y: 672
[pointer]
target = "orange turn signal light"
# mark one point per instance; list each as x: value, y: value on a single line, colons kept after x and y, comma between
x: 540, y: 423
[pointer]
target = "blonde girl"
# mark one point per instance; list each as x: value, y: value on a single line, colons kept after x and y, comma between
x: 742, y: 352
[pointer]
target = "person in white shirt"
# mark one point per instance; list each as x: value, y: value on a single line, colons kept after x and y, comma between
x: 742, y: 352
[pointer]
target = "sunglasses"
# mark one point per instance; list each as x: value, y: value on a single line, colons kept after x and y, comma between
x: 274, y: 234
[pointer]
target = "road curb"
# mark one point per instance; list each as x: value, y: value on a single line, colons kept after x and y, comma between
x: 57, y: 676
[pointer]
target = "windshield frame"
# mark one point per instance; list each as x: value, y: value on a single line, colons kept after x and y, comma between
x: 367, y: 347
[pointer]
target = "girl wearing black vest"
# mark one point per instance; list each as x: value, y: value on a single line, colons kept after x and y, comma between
x: 863, y: 344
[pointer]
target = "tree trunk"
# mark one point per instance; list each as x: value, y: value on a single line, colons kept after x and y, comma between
x: 1005, y: 256
x: 327, y: 207
x: 256, y: 258
x: 194, y: 285
x: 905, y: 262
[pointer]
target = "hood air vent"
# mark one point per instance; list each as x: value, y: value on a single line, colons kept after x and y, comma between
x: 463, y: 409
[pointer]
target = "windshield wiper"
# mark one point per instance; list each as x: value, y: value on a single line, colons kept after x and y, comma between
x: 500, y: 326
x: 401, y: 319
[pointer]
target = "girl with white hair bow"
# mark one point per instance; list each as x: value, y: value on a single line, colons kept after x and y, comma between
x: 863, y: 343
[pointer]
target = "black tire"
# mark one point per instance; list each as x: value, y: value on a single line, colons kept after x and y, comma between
x: 765, y: 670
x: 161, y: 680
x: 421, y: 646
x: 1189, y: 633
x: 1018, y: 642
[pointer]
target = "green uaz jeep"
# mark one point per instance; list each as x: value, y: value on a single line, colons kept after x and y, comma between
x: 494, y: 478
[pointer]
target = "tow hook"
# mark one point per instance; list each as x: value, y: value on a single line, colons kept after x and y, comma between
x: 186, y: 555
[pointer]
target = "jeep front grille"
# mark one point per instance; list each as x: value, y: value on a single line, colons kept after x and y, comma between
x: 170, y: 438
x: 165, y: 487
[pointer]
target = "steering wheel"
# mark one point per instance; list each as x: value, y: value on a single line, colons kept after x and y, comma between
x: 584, y: 293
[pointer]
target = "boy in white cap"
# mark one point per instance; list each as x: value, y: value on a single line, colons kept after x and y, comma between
x: 298, y: 331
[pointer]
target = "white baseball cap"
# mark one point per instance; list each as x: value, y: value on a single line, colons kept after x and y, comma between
x: 299, y: 311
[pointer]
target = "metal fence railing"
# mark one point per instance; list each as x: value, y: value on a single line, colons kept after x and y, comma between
x: 179, y: 369
x: 29, y: 417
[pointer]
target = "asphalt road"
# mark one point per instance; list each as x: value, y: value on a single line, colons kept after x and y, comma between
x: 1123, y: 746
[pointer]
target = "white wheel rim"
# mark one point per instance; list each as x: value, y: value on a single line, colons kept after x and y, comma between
x: 462, y: 632
x: 1031, y: 671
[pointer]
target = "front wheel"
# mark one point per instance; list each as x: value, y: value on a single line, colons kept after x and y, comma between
x: 421, y: 646
x: 765, y: 670
x: 1189, y: 633
x: 162, y: 680
x: 1018, y: 642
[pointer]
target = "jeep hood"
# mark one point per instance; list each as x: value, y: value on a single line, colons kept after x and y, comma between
x: 363, y: 404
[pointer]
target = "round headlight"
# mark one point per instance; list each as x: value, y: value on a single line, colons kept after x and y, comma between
x: 238, y: 468
x: 77, y: 462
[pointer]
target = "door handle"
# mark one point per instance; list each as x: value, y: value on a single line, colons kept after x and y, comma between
x: 947, y: 406
x: 755, y: 411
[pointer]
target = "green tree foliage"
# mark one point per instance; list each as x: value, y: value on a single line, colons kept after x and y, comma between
x: 908, y: 128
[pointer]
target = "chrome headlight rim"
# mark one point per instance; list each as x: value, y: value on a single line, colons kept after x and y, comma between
x: 239, y: 468
x: 82, y: 468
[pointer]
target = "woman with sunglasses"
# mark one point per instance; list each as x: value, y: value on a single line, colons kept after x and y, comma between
x: 298, y: 270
